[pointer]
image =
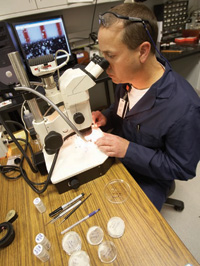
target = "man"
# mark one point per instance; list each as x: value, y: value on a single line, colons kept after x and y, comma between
x: 156, y: 114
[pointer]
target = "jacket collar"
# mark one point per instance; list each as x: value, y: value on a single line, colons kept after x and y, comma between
x: 160, y: 89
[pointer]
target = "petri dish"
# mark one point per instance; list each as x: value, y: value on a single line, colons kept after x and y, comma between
x: 95, y: 235
x: 115, y: 227
x: 79, y: 258
x: 71, y: 242
x: 107, y: 252
x: 117, y: 191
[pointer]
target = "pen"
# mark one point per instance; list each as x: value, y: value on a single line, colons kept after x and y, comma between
x: 64, y: 212
x: 75, y: 209
x: 65, y: 205
x: 80, y: 221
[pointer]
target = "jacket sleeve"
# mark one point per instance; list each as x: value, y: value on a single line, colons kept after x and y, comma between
x: 179, y: 158
x: 108, y: 114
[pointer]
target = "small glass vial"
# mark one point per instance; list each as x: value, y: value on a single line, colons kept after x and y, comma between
x: 39, y: 205
x: 41, y: 239
x: 41, y: 253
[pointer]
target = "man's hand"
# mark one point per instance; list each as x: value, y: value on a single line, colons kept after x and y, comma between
x: 98, y: 119
x: 113, y: 146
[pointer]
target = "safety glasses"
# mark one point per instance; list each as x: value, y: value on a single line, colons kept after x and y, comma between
x: 103, y: 18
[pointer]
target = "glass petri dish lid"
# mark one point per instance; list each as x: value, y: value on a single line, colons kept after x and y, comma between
x: 95, y: 235
x: 107, y: 252
x: 117, y: 191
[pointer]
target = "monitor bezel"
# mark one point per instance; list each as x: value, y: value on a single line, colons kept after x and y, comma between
x: 61, y: 57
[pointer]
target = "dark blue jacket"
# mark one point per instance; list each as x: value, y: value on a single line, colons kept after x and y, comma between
x: 163, y: 129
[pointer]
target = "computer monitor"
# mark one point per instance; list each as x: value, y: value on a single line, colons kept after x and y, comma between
x: 42, y: 37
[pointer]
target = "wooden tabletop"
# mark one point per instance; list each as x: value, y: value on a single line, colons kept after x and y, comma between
x: 148, y: 240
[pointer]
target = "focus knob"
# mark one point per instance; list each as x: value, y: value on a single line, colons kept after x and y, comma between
x: 79, y: 118
x: 74, y: 183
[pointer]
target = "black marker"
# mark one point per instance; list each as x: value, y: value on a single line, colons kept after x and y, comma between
x: 66, y: 217
x: 63, y: 207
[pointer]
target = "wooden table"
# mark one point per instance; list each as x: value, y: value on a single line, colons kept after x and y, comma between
x: 148, y: 239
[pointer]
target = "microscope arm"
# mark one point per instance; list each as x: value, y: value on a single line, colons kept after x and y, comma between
x: 54, y: 106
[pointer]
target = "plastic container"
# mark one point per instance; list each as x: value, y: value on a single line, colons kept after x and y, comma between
x: 28, y: 119
x: 41, y: 239
x: 41, y: 253
x: 39, y: 205
x: 186, y: 40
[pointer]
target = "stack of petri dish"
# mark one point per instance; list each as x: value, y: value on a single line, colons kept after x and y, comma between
x: 71, y: 242
x: 116, y: 227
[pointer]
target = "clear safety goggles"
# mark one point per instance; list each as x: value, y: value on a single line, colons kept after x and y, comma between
x: 105, y: 17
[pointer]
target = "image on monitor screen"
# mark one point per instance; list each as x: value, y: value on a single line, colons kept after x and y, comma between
x: 42, y: 37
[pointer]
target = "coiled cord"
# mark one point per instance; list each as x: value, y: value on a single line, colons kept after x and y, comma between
x: 5, y: 169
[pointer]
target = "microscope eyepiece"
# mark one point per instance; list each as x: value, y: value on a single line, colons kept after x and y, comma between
x: 104, y: 64
x: 101, y: 61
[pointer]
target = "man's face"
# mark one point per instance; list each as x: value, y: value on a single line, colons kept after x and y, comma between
x: 124, y: 63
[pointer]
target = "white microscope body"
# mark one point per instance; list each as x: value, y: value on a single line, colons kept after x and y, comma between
x: 73, y: 84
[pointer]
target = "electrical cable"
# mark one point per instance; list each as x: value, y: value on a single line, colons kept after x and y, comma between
x: 64, y: 63
x: 93, y: 35
x: 4, y: 169
x: 46, y: 183
x: 33, y: 169
x: 22, y: 117
x: 8, y: 238
x: 8, y: 168
x: 152, y: 41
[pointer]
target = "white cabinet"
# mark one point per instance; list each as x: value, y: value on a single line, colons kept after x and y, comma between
x: 18, y: 8
x: 15, y: 7
x: 49, y: 3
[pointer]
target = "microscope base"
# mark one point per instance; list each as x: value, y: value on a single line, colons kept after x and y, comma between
x: 78, y: 162
x: 85, y: 177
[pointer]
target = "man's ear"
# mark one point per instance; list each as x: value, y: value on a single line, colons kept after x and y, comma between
x: 145, y: 49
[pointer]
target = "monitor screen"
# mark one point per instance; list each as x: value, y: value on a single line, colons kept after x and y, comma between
x: 42, y: 37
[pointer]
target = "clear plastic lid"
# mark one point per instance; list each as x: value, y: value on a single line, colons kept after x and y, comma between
x: 79, y: 258
x: 107, y: 252
x: 95, y: 235
x: 71, y: 242
x: 117, y: 191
